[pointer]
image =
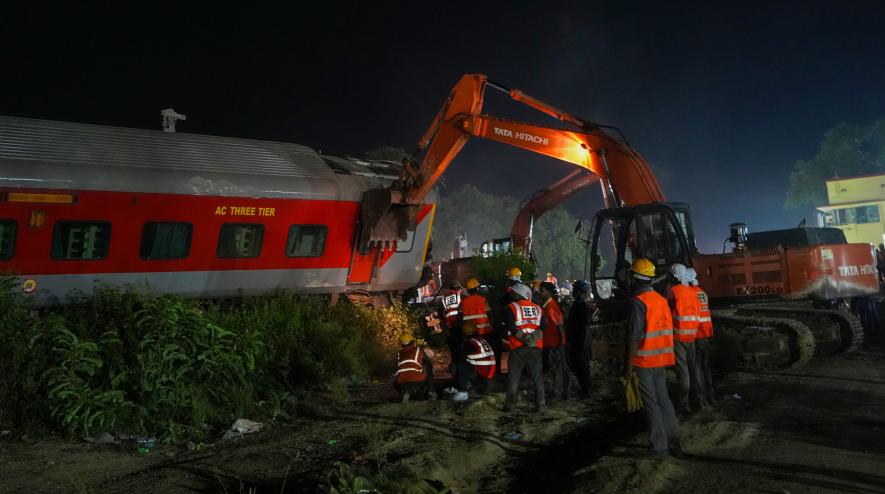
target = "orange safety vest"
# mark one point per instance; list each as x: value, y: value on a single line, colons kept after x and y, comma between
x: 410, y: 365
x: 705, y: 321
x: 552, y: 318
x: 528, y: 319
x: 686, y: 314
x: 482, y: 357
x: 475, y: 309
x: 451, y: 304
x: 656, y: 349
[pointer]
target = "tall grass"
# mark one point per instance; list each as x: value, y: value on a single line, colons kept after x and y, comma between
x: 130, y: 362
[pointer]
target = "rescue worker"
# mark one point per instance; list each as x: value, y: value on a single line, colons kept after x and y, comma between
x: 514, y: 277
x: 552, y: 279
x: 414, y: 370
x: 525, y: 341
x: 703, y: 343
x: 474, y: 364
x: 451, y: 302
x: 685, y: 307
x: 577, y: 333
x: 555, y: 358
x: 475, y: 309
x: 650, y: 353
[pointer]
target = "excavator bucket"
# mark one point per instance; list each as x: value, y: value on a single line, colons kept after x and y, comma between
x: 383, y: 219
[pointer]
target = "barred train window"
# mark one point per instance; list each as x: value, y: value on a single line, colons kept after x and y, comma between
x: 80, y: 240
x: 7, y: 239
x: 165, y: 240
x: 240, y: 240
x: 306, y: 240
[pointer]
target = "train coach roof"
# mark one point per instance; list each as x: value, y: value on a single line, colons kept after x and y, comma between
x: 103, y: 146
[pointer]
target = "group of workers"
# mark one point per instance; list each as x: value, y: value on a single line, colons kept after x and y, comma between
x: 674, y: 329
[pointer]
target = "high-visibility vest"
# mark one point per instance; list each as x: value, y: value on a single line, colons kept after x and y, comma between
x: 528, y: 319
x: 686, y: 313
x: 481, y: 357
x: 410, y: 365
x: 475, y: 309
x: 705, y: 319
x: 451, y: 303
x: 552, y: 318
x: 656, y: 349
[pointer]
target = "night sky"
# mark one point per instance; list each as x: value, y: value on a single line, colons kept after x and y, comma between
x: 721, y: 100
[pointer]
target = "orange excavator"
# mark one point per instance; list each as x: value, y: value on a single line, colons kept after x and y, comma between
x: 799, y: 270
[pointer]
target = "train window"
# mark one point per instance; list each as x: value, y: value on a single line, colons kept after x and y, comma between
x: 7, y: 239
x: 406, y: 245
x: 76, y: 240
x: 306, y: 240
x: 165, y: 240
x: 240, y: 240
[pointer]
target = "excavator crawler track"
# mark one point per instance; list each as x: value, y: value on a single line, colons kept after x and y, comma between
x: 741, y: 342
x: 751, y: 342
x: 834, y: 331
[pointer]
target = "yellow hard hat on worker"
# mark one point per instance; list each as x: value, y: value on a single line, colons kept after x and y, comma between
x: 406, y: 338
x: 472, y: 283
x: 514, y: 272
x: 643, y: 269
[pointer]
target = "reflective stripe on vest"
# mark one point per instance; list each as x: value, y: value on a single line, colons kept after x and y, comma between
x: 705, y: 321
x: 410, y: 366
x: 482, y: 353
x: 686, y: 313
x: 475, y: 308
x: 451, y: 304
x: 527, y: 317
x: 656, y: 349
x: 482, y: 358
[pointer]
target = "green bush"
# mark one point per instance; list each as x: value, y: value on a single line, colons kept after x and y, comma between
x: 128, y: 361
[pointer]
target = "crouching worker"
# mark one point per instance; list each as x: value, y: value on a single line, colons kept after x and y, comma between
x: 474, y: 364
x: 414, y: 370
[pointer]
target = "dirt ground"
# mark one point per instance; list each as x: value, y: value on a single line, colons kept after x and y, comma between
x: 820, y: 428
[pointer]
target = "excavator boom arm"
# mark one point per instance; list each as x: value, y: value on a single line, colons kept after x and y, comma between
x: 627, y: 178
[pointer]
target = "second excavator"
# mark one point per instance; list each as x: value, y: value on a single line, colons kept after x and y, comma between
x: 770, y: 289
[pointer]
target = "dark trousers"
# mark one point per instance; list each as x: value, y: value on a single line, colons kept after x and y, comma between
x: 688, y: 374
x: 663, y: 428
x: 529, y: 359
x: 466, y: 378
x: 579, y: 360
x: 702, y: 351
x: 557, y: 363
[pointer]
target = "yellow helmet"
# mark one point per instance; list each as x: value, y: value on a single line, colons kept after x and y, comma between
x: 514, y: 272
x: 406, y: 338
x: 643, y: 268
x: 469, y: 328
x: 472, y: 283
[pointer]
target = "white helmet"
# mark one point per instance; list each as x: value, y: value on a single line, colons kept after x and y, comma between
x: 692, y: 277
x: 522, y: 290
x: 680, y: 272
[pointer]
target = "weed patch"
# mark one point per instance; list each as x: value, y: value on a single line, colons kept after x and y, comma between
x: 127, y: 361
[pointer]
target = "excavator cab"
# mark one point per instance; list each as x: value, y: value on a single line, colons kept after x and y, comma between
x: 660, y: 232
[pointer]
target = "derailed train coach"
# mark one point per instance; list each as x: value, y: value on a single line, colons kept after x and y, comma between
x: 194, y: 215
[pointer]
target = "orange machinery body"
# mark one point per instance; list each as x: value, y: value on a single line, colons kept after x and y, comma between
x: 819, y: 272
